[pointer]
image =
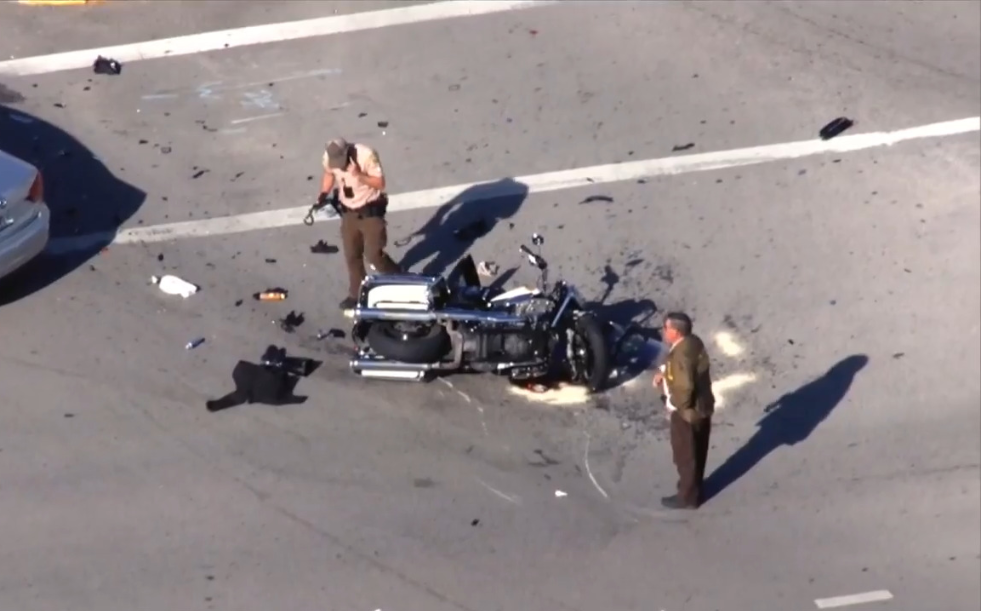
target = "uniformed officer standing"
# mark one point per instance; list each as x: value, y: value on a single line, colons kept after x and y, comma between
x: 687, y: 385
x: 357, y: 173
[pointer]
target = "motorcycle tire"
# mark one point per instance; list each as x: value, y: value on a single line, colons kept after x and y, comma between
x: 386, y: 340
x: 590, y: 330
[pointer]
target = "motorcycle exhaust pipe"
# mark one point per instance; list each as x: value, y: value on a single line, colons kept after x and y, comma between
x: 454, y: 315
x: 392, y: 370
x: 375, y: 365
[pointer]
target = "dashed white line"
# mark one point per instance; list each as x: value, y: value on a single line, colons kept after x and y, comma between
x: 853, y: 599
x: 262, y: 34
x: 538, y: 183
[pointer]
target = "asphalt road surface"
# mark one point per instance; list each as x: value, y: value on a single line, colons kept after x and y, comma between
x: 841, y: 289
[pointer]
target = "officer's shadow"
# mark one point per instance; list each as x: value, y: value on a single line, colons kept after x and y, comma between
x: 452, y: 231
x: 788, y: 421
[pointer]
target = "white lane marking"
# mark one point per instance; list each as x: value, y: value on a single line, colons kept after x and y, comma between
x: 466, y: 397
x: 589, y: 471
x: 853, y: 599
x: 729, y: 383
x: 727, y: 344
x: 262, y: 34
x: 257, y: 118
x: 507, y: 497
x: 538, y: 183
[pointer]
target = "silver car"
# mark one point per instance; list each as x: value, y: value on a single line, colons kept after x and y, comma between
x: 24, y: 217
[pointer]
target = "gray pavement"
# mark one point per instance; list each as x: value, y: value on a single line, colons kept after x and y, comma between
x: 119, y: 491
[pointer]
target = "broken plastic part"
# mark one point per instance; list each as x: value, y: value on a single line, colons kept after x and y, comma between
x: 835, y: 128
x: 105, y: 65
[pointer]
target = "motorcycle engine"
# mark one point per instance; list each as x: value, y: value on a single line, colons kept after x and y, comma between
x: 534, y: 307
x: 504, y: 345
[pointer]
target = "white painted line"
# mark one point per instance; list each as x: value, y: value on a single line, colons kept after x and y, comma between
x: 585, y: 459
x: 539, y: 183
x: 727, y: 344
x: 507, y: 497
x: 262, y: 34
x: 258, y: 118
x: 853, y: 599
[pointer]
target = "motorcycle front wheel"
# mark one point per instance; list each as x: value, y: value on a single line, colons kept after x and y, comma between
x: 590, y: 353
x: 409, y: 342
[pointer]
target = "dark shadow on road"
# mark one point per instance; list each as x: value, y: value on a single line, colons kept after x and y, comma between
x: 788, y: 421
x: 634, y: 343
x: 452, y: 231
x: 85, y: 199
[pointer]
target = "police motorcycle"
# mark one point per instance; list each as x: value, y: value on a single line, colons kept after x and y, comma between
x: 414, y: 327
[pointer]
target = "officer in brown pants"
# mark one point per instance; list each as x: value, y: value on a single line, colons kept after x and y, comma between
x: 687, y: 386
x: 357, y: 173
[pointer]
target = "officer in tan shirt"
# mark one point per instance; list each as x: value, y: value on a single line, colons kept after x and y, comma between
x: 687, y: 383
x: 357, y: 173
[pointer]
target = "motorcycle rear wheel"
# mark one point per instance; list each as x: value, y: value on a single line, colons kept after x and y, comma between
x: 418, y: 344
x: 592, y: 353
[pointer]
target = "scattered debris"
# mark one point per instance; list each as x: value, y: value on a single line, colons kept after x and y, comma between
x: 69, y: 415
x: 383, y: 124
x: 200, y: 173
x: 270, y: 260
x: 334, y: 333
x: 475, y: 522
x: 899, y: 355
x: 165, y: 150
x: 682, y: 147
x: 488, y: 269
x: 533, y: 32
x: 597, y: 198
x: 835, y: 128
x: 559, y: 494
x: 271, y: 383
x: 323, y: 248
x: 239, y: 302
x: 59, y: 105
x: 194, y: 343
x: 291, y: 321
x: 160, y: 257
x: 276, y: 294
x: 105, y: 65
x: 172, y: 285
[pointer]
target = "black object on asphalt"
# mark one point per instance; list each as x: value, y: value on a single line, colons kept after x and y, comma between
x: 682, y: 147
x: 323, y: 248
x: 291, y: 321
x: 271, y: 383
x: 835, y: 128
x: 334, y: 333
x: 104, y: 65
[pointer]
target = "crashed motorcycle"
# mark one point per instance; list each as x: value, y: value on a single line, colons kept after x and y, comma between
x: 414, y: 327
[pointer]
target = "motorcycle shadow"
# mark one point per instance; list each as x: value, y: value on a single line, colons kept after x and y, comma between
x: 634, y: 351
